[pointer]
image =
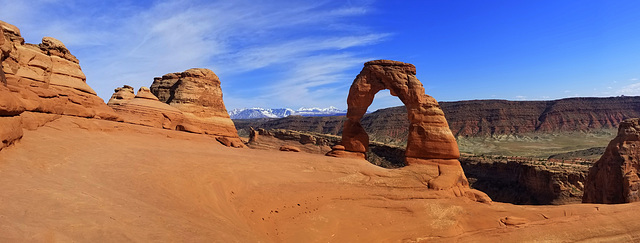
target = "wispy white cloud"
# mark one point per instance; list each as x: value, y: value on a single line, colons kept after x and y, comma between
x: 631, y: 89
x: 309, y: 48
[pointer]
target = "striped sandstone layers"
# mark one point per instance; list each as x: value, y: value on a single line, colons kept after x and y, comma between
x: 197, y: 94
x: 39, y: 83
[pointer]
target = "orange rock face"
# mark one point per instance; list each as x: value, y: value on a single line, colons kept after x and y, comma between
x: 615, y: 178
x: 47, y: 78
x: 196, y: 93
x: 429, y: 134
x: 289, y: 148
x: 431, y: 147
x: 145, y: 109
x: 121, y: 95
x: 44, y: 78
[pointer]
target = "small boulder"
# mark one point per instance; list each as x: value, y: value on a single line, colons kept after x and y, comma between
x: 510, y: 220
x: 338, y: 147
x: 230, y: 142
x: 289, y: 148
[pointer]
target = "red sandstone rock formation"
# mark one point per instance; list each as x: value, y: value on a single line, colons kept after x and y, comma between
x: 197, y: 93
x: 121, y: 95
x: 289, y: 148
x: 47, y: 78
x: 145, y: 109
x: 10, y: 121
x: 44, y: 78
x: 432, y: 150
x: 615, y: 178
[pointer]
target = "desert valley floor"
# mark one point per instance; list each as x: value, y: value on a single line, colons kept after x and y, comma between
x: 89, y: 180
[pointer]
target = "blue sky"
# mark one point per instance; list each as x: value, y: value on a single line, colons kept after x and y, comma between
x: 295, y: 54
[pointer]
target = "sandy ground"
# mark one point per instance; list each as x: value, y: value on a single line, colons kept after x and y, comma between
x: 80, y: 180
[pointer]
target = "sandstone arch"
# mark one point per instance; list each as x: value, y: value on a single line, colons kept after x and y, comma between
x: 431, y: 151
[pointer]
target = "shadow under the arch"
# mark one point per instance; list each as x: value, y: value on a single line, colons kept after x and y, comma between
x: 385, y: 156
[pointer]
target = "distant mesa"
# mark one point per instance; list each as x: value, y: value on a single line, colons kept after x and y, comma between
x: 431, y: 148
x: 500, y: 119
x: 615, y: 177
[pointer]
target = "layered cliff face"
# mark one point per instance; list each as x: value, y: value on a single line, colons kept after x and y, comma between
x: 615, y: 178
x: 39, y: 83
x: 478, y: 118
x: 494, y: 117
x: 530, y: 182
x: 47, y: 78
x: 196, y: 92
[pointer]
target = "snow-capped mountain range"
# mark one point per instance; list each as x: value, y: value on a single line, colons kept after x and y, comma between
x: 250, y: 113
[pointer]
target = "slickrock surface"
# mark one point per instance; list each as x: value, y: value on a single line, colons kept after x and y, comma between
x: 431, y: 147
x: 615, y: 178
x: 145, y: 109
x: 89, y: 180
x: 197, y: 94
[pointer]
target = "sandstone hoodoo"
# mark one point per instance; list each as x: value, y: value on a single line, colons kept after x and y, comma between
x: 47, y: 77
x: 615, y: 178
x: 121, y: 95
x: 431, y: 148
x: 38, y: 79
x: 197, y: 94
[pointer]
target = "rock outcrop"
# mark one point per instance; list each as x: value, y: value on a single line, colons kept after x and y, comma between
x: 197, y: 94
x: 305, y: 142
x: 429, y: 134
x: 531, y: 182
x: 44, y: 78
x: 121, y: 95
x: 10, y: 120
x: 145, y: 109
x: 289, y: 148
x: 47, y: 78
x: 615, y: 177
x: 431, y: 147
